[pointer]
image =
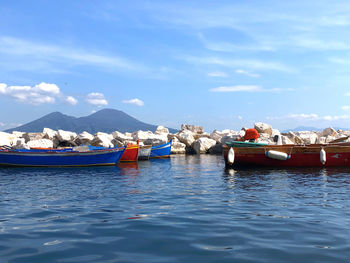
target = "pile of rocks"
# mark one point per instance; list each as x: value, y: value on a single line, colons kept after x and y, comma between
x: 190, y: 139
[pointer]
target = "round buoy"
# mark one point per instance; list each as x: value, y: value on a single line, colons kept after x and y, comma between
x: 323, y: 156
x: 230, y: 156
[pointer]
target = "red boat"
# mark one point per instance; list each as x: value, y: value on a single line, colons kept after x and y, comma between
x: 313, y: 155
x: 131, y: 153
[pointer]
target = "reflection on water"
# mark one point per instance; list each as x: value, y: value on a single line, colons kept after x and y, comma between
x: 182, y: 209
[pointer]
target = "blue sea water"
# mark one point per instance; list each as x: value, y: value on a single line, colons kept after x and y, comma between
x: 183, y: 209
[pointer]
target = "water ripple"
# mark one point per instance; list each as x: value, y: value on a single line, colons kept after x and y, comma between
x: 184, y: 209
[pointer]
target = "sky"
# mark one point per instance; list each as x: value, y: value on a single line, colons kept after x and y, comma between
x: 218, y: 64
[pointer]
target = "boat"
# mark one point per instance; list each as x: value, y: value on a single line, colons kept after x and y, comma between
x: 131, y: 153
x: 311, y: 155
x: 144, y: 152
x: 60, y: 157
x: 161, y: 151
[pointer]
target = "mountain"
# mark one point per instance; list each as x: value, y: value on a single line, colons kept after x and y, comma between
x: 302, y: 128
x: 306, y: 128
x: 106, y: 120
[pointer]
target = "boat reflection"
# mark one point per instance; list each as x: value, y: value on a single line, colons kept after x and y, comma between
x: 129, y: 168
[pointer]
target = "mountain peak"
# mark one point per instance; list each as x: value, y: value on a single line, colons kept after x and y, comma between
x: 105, y: 120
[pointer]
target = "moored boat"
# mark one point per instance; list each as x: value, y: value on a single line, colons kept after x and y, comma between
x: 313, y: 155
x: 131, y: 153
x: 144, y: 152
x: 161, y: 151
x: 60, y: 158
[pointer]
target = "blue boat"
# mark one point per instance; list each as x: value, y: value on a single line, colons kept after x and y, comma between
x: 161, y: 151
x: 60, y: 158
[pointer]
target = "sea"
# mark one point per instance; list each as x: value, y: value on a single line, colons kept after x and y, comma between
x: 182, y: 209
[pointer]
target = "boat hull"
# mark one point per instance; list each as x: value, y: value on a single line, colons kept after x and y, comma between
x: 144, y: 152
x: 161, y: 151
x: 130, y: 154
x: 61, y: 158
x: 299, y: 156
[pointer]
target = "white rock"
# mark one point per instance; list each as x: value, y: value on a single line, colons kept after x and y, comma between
x: 330, y: 138
x: 321, y: 140
x: 32, y: 136
x: 84, y: 138
x: 141, y: 135
x: 41, y: 143
x: 18, y: 134
x: 329, y: 132
x: 307, y: 136
x: 19, y: 143
x: 178, y: 148
x: 201, y: 135
x: 6, y: 139
x: 216, y: 135
x: 186, y: 137
x: 121, y: 136
x: 202, y: 145
x: 64, y: 136
x: 294, y: 138
x: 286, y: 140
x: 192, y: 128
x: 102, y: 140
x: 49, y: 133
x: 156, y: 139
x: 161, y: 129
x: 263, y: 128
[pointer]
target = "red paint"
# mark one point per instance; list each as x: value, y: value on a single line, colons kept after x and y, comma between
x: 296, y: 160
x: 131, y: 153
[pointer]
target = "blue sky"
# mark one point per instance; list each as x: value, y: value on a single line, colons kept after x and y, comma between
x: 219, y: 64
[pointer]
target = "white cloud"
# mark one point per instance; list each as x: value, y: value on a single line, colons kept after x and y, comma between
x: 237, y: 89
x: 217, y: 74
x: 346, y: 107
x: 135, y: 101
x: 96, y: 98
x: 47, y: 88
x: 247, y: 73
x: 347, y: 94
x: 43, y: 93
x: 247, y: 88
x: 240, y: 117
x: 71, y: 100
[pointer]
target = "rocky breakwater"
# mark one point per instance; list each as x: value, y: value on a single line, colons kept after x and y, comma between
x: 189, y: 139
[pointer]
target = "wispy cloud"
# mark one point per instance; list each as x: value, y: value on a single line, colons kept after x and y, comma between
x: 96, y: 98
x: 43, y: 93
x: 247, y: 73
x: 247, y: 88
x: 217, y: 74
x: 48, y: 53
x: 310, y: 117
x: 238, y: 63
x: 135, y: 101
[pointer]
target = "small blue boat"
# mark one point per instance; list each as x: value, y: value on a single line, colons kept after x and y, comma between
x: 161, y: 151
x: 60, y: 158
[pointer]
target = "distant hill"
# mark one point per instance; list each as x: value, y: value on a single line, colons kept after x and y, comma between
x: 106, y: 120
x: 306, y: 128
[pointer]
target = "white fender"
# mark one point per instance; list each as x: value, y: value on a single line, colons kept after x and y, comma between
x: 323, y: 156
x: 277, y: 155
x: 230, y: 156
